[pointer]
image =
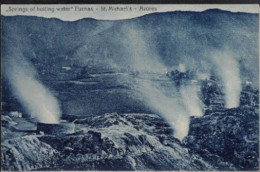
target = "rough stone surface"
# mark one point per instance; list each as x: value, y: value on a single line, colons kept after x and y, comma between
x: 225, y: 140
x: 61, y: 128
x: 227, y: 137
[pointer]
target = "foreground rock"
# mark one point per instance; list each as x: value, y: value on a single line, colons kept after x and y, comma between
x: 225, y: 140
x: 106, y: 142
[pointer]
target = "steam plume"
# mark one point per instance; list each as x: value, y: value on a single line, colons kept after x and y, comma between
x: 146, y: 60
x: 191, y: 100
x: 141, y: 57
x: 228, y: 70
x: 168, y: 106
x: 182, y: 68
x: 35, y: 98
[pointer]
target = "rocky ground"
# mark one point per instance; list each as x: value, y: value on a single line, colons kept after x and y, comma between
x: 221, y: 140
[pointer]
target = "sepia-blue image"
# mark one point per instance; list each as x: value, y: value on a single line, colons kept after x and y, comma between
x: 174, y: 90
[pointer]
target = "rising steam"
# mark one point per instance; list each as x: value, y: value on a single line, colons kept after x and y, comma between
x: 35, y: 98
x: 146, y: 60
x: 168, y: 106
x: 141, y: 57
x: 182, y: 68
x: 189, y: 94
x: 228, y: 70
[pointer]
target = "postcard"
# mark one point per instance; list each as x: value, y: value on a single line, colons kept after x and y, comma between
x: 130, y: 87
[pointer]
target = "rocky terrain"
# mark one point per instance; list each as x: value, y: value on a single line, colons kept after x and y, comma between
x: 224, y: 139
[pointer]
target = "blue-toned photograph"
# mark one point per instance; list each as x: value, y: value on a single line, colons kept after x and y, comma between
x: 129, y: 87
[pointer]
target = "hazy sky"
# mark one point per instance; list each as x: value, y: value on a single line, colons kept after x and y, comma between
x: 111, y: 12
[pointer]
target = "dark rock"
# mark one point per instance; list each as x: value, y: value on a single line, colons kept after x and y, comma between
x: 103, y: 147
x: 229, y: 137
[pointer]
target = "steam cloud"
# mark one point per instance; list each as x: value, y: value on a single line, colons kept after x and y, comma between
x: 35, y: 98
x: 169, y: 106
x: 142, y: 58
x: 228, y: 70
x: 191, y: 100
x: 182, y: 68
x: 146, y: 60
